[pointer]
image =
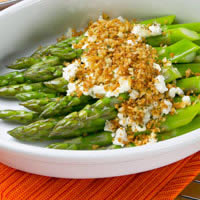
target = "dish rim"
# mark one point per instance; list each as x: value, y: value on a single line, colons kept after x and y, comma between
x: 93, y: 156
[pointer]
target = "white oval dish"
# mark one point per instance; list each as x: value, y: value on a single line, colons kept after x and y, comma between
x: 30, y: 23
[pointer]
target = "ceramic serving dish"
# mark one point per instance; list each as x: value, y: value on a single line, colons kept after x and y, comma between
x: 31, y: 23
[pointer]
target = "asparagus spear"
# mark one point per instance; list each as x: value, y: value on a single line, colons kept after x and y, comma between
x: 58, y: 84
x: 160, y: 20
x: 85, y: 143
x: 195, y: 26
x: 194, y: 124
x: 182, y: 117
x: 172, y: 36
x: 38, y: 105
x: 65, y: 105
x: 182, y: 68
x: 13, y: 78
x: 26, y: 62
x: 170, y: 73
x: 36, y: 131
x: 90, y: 119
x: 43, y: 72
x: 12, y: 90
x: 183, y: 51
x: 19, y: 116
x: 66, y: 53
x: 63, y: 44
x: 25, y: 96
x: 192, y: 83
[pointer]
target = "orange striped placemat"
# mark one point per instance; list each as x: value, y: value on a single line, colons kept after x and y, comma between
x: 160, y: 184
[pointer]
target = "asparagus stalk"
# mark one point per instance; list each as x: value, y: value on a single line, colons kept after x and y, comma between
x: 172, y: 36
x: 43, y: 72
x: 25, y: 96
x: 182, y: 68
x: 38, y: 105
x: 183, y: 51
x: 160, y: 20
x: 58, y: 84
x: 170, y: 73
x: 90, y: 119
x: 182, y: 117
x: 195, y: 26
x: 19, y: 116
x: 189, y: 84
x: 36, y: 131
x: 13, y: 78
x: 12, y: 90
x: 65, y: 105
x: 193, y: 125
x: 85, y: 143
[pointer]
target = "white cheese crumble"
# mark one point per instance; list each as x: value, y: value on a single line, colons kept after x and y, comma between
x: 121, y: 19
x: 120, y: 137
x: 160, y: 84
x: 169, y: 107
x: 134, y: 94
x: 175, y: 90
x: 130, y: 42
x: 136, y: 128
x: 70, y: 71
x: 108, y: 126
x: 71, y: 88
x: 152, y: 138
x: 92, y: 38
x: 145, y: 31
x: 69, y: 33
x: 186, y: 99
x: 157, y: 66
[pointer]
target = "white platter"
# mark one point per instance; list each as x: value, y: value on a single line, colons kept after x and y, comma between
x: 30, y: 23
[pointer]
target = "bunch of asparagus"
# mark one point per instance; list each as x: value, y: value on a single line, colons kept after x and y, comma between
x: 80, y: 120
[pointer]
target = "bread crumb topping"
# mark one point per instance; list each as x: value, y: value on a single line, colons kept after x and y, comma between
x: 117, y: 60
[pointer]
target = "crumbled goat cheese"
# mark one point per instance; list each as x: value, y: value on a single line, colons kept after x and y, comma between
x: 84, y: 46
x: 125, y: 85
x: 169, y: 107
x: 134, y: 94
x: 157, y: 66
x: 160, y: 84
x: 130, y: 42
x: 136, y: 128
x: 123, y: 121
x: 186, y: 99
x: 70, y: 71
x: 121, y: 19
x: 147, y: 116
x: 152, y: 138
x: 97, y: 90
x: 120, y: 137
x: 71, y: 88
x: 175, y: 90
x: 143, y: 31
x: 92, y: 38
x: 69, y: 33
x: 108, y: 126
x: 85, y: 61
x: 100, y: 18
x: 86, y: 34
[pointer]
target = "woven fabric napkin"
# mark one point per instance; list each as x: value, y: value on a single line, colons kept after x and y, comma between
x: 160, y: 184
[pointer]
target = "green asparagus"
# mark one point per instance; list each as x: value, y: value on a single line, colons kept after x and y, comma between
x: 12, y: 90
x: 182, y: 68
x: 190, y: 84
x: 65, y: 105
x: 195, y: 26
x: 19, y: 116
x: 36, y: 131
x: 194, y: 124
x: 58, y: 84
x: 45, y: 72
x: 34, y: 95
x: 160, y: 20
x: 170, y: 73
x: 183, y: 51
x: 85, y: 143
x: 90, y: 119
x: 37, y: 105
x: 172, y: 36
